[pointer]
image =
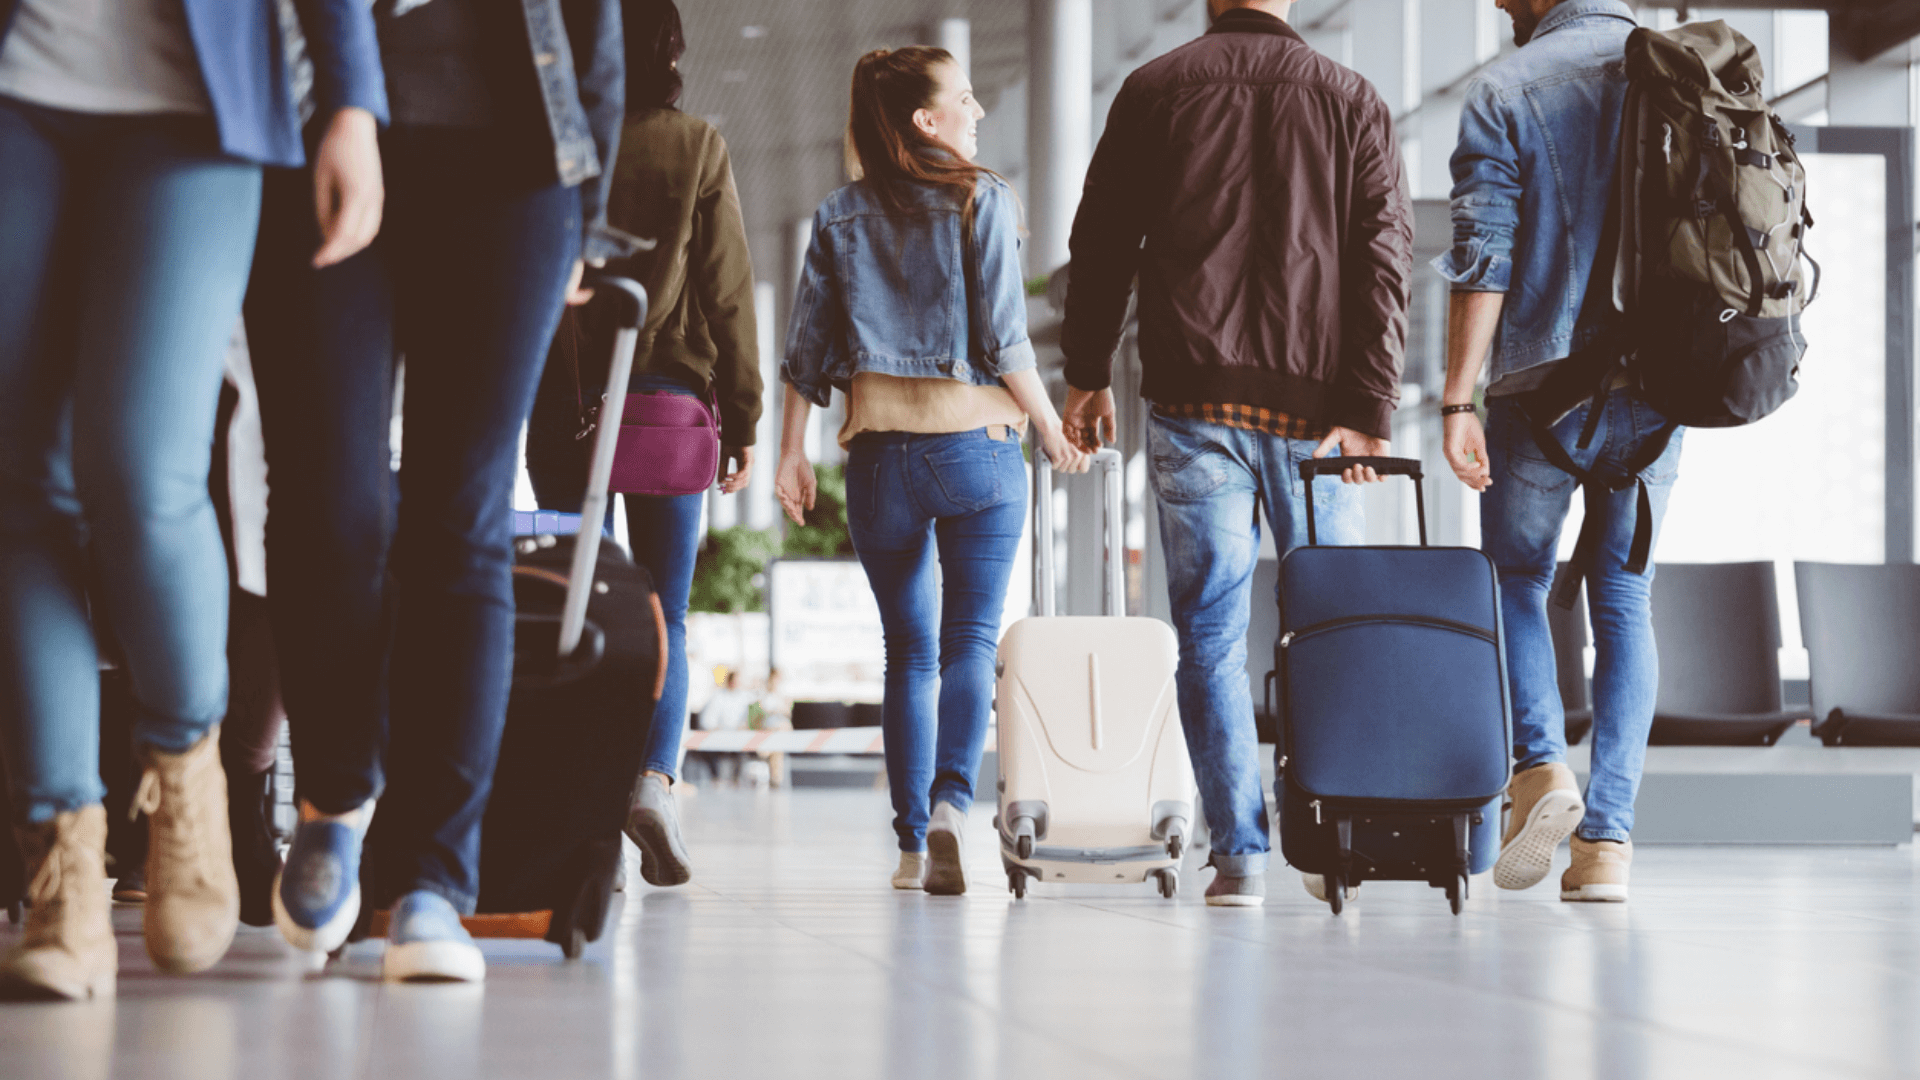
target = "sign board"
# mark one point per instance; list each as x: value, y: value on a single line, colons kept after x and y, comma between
x: 826, y: 639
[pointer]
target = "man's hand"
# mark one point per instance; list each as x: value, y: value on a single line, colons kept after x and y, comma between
x: 741, y: 457
x: 1352, y: 443
x: 1089, y: 418
x: 349, y: 191
x: 1465, y: 444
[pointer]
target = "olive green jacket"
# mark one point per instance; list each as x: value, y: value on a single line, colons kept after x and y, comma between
x: 673, y: 183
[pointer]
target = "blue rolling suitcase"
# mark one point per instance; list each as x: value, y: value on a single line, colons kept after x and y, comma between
x: 1395, y: 725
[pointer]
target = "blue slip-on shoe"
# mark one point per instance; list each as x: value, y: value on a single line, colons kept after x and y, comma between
x: 426, y: 943
x: 316, y: 896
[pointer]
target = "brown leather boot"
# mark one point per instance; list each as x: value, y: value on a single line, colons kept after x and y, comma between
x: 67, y: 950
x: 193, y: 897
x: 1598, y: 873
x: 1545, y: 807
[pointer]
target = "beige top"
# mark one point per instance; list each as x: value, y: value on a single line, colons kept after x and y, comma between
x: 927, y: 406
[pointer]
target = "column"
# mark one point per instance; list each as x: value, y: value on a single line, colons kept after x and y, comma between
x: 1060, y: 124
x: 761, y: 510
x: 956, y: 36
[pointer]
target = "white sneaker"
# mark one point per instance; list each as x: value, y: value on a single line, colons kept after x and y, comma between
x: 946, y: 851
x: 1317, y: 887
x: 912, y: 870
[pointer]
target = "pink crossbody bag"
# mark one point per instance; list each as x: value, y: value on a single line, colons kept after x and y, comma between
x: 669, y: 443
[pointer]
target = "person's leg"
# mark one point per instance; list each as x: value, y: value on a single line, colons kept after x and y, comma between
x: 1208, y: 496
x: 894, y: 538
x: 321, y: 342
x: 481, y: 269
x: 1521, y: 517
x: 665, y: 534
x: 1626, y: 670
x: 49, y: 665
x: 49, y: 669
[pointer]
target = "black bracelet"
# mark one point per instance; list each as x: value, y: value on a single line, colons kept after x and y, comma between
x: 1449, y: 410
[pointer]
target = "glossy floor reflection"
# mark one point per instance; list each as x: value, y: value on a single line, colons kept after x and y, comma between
x: 789, y: 956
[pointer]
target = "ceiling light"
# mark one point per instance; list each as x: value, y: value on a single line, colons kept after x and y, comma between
x: 753, y: 32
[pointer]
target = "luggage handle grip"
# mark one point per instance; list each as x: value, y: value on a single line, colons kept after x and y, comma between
x: 1107, y: 463
x: 1384, y: 466
x: 628, y: 301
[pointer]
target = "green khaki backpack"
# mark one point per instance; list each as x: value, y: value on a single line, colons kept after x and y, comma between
x: 1703, y: 249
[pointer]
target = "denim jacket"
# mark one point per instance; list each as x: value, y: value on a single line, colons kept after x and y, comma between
x: 1539, y: 135
x: 894, y: 296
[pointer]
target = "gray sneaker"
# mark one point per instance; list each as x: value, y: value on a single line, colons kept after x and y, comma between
x: 1249, y: 891
x: 653, y: 824
x: 946, y: 853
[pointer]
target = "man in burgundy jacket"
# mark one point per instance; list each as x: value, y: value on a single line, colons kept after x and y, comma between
x: 1255, y: 189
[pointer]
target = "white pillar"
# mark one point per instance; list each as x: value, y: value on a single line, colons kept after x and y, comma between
x: 761, y: 512
x: 1880, y: 92
x: 1060, y: 124
x: 1386, y: 48
x: 956, y: 36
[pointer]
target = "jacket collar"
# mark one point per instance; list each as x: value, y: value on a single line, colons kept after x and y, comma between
x: 1569, y: 10
x: 1249, y: 21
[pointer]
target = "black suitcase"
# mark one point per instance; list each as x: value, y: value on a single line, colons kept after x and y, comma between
x: 589, y: 663
x: 1395, y: 725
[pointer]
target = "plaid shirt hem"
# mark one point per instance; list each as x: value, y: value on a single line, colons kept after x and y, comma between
x: 1248, y: 418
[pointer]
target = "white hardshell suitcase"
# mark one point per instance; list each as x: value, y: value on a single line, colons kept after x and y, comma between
x: 1095, y: 782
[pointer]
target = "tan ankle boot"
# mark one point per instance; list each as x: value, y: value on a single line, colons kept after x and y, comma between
x: 193, y: 897
x: 67, y: 950
x: 1545, y: 807
x: 1599, y: 871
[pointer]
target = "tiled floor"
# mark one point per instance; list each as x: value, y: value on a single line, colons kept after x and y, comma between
x: 790, y: 957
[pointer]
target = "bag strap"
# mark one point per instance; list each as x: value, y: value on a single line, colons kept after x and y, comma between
x: 1587, y: 546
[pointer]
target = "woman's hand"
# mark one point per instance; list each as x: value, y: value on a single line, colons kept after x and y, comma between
x: 349, y: 191
x: 575, y: 294
x: 1060, y: 450
x: 795, y: 486
x: 742, y: 459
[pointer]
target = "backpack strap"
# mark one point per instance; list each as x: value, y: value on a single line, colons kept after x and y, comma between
x: 1587, y: 546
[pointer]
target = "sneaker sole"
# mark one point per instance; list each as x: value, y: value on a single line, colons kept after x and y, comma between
x: 1236, y: 901
x: 1596, y: 894
x: 1316, y: 886
x: 945, y: 874
x: 19, y: 989
x: 658, y: 863
x: 1526, y: 860
x: 434, y: 961
x: 906, y: 885
x: 321, y: 939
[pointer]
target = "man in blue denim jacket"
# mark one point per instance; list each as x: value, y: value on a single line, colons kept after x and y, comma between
x: 1539, y: 136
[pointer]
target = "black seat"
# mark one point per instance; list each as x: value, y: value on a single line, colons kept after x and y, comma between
x: 1569, y: 630
x: 1718, y: 628
x: 1862, y: 629
x: 816, y: 715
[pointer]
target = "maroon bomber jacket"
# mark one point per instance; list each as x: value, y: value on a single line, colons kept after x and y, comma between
x: 1255, y: 188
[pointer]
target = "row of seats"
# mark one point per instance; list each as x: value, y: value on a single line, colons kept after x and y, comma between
x: 1718, y: 628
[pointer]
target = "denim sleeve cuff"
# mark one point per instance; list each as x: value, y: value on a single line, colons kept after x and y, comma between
x: 818, y: 392
x: 1470, y: 268
x: 1014, y: 359
x: 359, y: 92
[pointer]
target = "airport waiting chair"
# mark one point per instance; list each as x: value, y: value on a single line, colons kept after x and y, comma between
x: 1569, y: 630
x: 1861, y: 625
x: 1718, y: 628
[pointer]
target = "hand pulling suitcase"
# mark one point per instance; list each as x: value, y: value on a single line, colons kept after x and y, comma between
x: 589, y: 663
x: 1095, y: 783
x: 1395, y: 724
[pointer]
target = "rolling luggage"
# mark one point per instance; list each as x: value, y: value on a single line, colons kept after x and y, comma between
x: 589, y: 662
x: 1095, y: 783
x: 1395, y: 722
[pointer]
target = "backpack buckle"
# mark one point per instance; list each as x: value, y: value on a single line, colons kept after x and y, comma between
x: 1705, y: 208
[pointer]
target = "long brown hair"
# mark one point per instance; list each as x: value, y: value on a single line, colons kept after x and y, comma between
x: 886, y: 150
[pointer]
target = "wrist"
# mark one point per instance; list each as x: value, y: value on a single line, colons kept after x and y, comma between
x: 354, y: 119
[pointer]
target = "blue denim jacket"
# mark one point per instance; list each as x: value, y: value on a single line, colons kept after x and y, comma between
x: 1539, y: 135
x: 892, y: 295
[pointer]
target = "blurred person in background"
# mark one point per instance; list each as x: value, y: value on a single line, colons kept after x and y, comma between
x: 672, y: 183
x: 911, y: 302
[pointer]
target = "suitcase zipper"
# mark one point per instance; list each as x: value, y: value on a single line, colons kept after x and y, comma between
x: 1287, y: 639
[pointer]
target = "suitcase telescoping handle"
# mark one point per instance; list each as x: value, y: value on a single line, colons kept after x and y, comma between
x: 628, y: 303
x: 1106, y: 464
x: 1385, y: 466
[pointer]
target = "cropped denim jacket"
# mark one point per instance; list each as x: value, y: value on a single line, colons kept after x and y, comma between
x: 1539, y: 136
x: 893, y: 295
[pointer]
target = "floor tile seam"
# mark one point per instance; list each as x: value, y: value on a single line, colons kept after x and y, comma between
x: 996, y: 1014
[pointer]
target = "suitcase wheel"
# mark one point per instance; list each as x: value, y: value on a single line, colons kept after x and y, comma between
x: 1457, y: 893
x: 1017, y: 881
x: 1169, y: 882
x: 1336, y: 892
x: 1176, y: 846
x: 575, y: 945
x: 16, y: 912
x: 1025, y: 847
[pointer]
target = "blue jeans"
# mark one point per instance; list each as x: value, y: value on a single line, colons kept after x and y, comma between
x: 1211, y: 481
x: 124, y: 246
x: 664, y: 532
x: 964, y: 497
x: 465, y: 280
x: 1521, y: 517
